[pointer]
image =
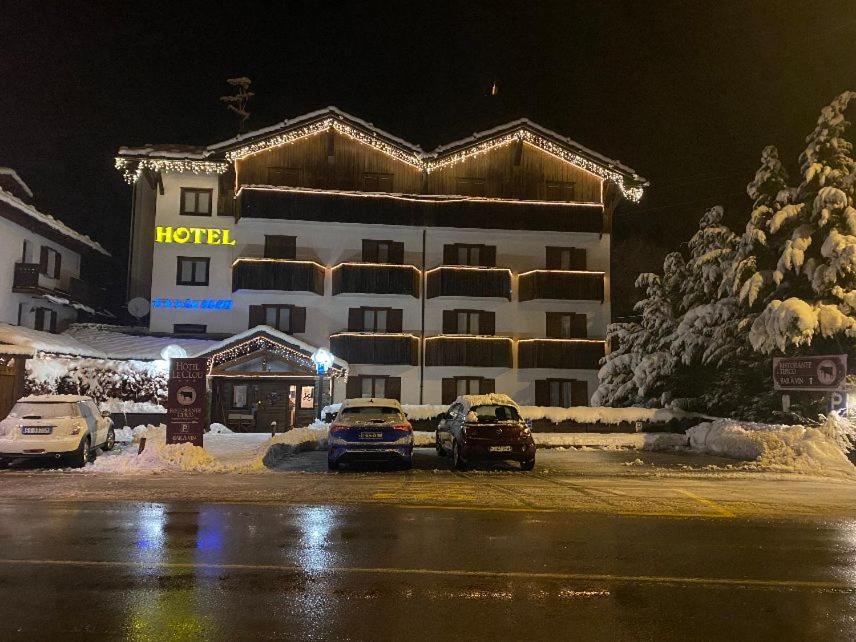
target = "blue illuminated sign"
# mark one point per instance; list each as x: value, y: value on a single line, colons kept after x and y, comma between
x: 193, y: 304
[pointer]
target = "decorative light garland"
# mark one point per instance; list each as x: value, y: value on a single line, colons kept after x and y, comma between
x: 371, y: 139
x: 375, y: 265
x: 256, y: 259
x: 379, y: 335
x: 469, y: 337
x: 468, y: 267
x: 132, y: 168
x: 261, y: 342
x: 592, y: 272
x: 554, y: 340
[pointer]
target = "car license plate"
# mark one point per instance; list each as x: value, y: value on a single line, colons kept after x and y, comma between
x: 371, y: 435
x: 500, y: 449
x: 36, y: 430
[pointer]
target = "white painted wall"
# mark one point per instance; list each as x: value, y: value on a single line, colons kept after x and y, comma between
x: 333, y: 243
x: 12, y: 237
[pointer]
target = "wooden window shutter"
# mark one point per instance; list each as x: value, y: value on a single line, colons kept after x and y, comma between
x: 396, y: 253
x: 394, y: 320
x: 554, y: 258
x: 43, y: 260
x: 579, y: 393
x: 355, y: 320
x: 450, y: 321
x: 370, y: 251
x: 393, y: 388
x: 488, y: 256
x: 450, y: 254
x: 52, y: 315
x: 487, y: 386
x: 449, y: 390
x: 542, y: 392
x: 554, y: 325
x: 257, y: 316
x: 487, y: 323
x: 578, y: 258
x: 354, y: 388
x: 579, y: 326
x: 280, y: 247
x: 57, y: 266
x: 298, y: 319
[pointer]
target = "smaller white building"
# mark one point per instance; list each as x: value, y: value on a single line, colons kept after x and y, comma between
x: 40, y: 261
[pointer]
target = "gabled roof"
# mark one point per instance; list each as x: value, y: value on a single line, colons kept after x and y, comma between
x: 211, y: 159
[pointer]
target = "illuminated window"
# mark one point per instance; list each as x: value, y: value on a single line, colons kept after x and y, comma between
x: 196, y: 202
x: 192, y: 270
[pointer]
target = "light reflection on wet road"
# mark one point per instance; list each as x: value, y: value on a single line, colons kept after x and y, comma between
x: 240, y: 571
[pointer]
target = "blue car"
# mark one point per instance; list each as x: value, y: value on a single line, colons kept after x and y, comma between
x: 370, y: 430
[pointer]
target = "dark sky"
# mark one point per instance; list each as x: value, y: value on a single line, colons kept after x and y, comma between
x: 687, y: 93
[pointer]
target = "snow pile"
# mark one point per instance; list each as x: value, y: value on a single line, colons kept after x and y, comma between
x: 219, y: 429
x: 601, y: 415
x: 117, y: 406
x: 609, y: 441
x: 810, y: 450
x: 157, y: 457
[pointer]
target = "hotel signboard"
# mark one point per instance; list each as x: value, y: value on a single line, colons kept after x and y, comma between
x: 186, y: 401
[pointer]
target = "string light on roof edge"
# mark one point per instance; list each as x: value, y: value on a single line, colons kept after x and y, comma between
x: 257, y: 343
x: 132, y: 168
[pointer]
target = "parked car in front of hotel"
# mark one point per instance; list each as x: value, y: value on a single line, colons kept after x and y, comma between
x: 56, y: 427
x: 485, y: 428
x: 370, y: 430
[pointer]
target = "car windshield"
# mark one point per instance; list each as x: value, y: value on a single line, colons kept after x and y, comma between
x: 372, y: 412
x: 43, y: 410
x: 492, y: 412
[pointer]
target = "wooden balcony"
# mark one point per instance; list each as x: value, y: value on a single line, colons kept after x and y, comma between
x: 568, y: 285
x: 464, y: 350
x: 376, y: 348
x: 461, y: 281
x: 566, y: 354
x: 376, y: 278
x: 281, y: 275
x: 27, y: 279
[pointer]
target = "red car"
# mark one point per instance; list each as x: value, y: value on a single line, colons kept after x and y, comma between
x: 485, y: 428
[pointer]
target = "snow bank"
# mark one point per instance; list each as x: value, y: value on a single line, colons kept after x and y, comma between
x: 811, y: 450
x: 610, y: 441
x: 157, y: 456
x: 601, y: 415
x: 117, y: 406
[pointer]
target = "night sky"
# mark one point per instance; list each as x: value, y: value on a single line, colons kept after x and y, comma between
x: 687, y: 93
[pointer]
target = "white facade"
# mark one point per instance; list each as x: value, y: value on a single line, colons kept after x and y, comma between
x: 331, y: 243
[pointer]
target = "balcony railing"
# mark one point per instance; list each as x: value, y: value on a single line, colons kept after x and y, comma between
x: 376, y: 278
x: 474, y: 351
x: 283, y: 275
x: 27, y: 279
x: 463, y: 281
x: 382, y: 349
x: 571, y: 285
x: 567, y: 354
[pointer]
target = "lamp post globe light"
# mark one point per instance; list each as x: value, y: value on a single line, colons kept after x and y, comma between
x: 322, y: 359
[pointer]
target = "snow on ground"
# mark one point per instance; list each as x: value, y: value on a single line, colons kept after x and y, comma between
x: 802, y: 449
x: 638, y: 440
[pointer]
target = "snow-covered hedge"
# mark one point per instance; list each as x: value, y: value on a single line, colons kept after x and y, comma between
x: 101, y: 379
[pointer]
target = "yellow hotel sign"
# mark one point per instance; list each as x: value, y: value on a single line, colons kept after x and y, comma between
x: 193, y: 235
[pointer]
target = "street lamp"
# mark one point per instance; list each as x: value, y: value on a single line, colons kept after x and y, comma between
x: 322, y: 359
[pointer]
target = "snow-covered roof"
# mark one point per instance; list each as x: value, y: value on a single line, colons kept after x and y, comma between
x: 13, y: 176
x: 167, y: 151
x: 119, y: 343
x: 47, y: 222
x: 273, y: 333
x: 46, y: 342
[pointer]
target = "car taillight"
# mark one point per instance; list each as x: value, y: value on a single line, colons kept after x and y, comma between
x: 337, y: 428
x: 403, y: 427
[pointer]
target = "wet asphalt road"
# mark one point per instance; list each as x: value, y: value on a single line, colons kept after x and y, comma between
x: 87, y: 570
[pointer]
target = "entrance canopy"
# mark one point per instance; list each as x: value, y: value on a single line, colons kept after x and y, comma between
x: 265, y: 351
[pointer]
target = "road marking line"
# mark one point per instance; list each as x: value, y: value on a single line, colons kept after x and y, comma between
x: 584, y: 577
x: 721, y: 510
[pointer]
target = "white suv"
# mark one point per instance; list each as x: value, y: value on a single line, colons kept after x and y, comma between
x: 55, y: 426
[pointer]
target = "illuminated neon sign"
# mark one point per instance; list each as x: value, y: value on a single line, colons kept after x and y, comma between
x: 193, y: 304
x: 193, y: 235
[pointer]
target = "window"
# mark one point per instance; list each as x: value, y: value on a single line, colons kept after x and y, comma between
x: 566, y: 258
x: 50, y: 262
x: 239, y: 396
x: 375, y: 182
x: 374, y: 319
x: 376, y: 251
x: 470, y: 186
x: 560, y: 191
x: 289, y: 176
x: 280, y: 247
x: 468, y: 386
x: 189, y: 328
x: 192, y: 270
x: 453, y: 387
x: 27, y: 252
x: 561, y: 393
x: 196, y: 202
x: 278, y: 316
x: 45, y: 320
x: 566, y: 325
x: 469, y: 254
x: 372, y: 387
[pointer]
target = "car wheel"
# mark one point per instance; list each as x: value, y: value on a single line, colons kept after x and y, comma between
x: 111, y: 441
x: 457, y: 461
x: 82, y: 455
x: 332, y: 465
x: 440, y: 451
x: 529, y: 464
